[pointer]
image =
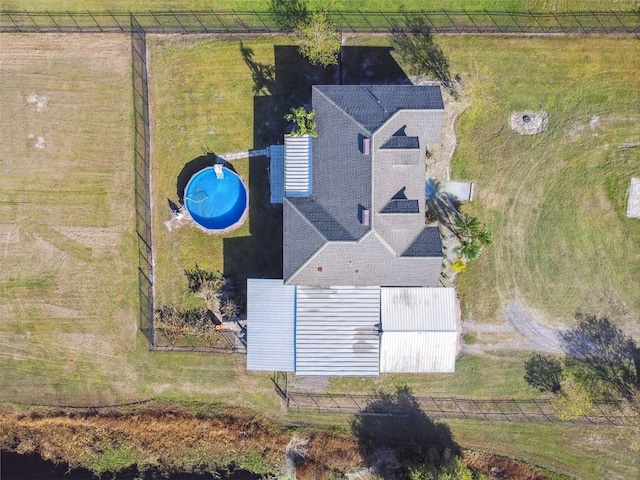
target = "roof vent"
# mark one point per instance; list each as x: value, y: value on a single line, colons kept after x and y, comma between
x: 366, y: 145
x: 364, y: 216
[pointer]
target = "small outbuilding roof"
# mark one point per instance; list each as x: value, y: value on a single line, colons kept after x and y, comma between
x: 633, y: 204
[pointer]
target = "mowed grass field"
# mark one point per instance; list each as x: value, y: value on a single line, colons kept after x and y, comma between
x: 556, y: 201
x: 67, y: 251
x: 351, y: 5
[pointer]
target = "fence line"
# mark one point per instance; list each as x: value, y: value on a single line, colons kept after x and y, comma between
x: 142, y: 155
x: 508, y: 410
x: 231, y: 21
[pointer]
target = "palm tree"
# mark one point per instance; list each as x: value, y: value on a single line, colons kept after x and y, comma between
x: 304, y: 120
x: 469, y: 250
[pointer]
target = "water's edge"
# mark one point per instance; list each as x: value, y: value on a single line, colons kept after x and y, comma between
x: 14, y: 466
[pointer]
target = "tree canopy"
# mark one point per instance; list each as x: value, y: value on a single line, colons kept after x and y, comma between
x: 319, y: 42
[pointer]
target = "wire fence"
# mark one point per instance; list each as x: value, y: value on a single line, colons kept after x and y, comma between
x: 142, y: 153
x: 231, y: 21
x: 220, y: 341
x: 507, y: 410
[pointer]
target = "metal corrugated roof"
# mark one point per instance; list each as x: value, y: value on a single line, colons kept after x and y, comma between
x: 337, y: 331
x: 297, y: 165
x: 276, y: 173
x: 270, y: 325
x: 418, y: 309
x: 418, y: 352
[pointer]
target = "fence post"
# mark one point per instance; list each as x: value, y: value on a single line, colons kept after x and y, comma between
x: 74, y: 21
x: 451, y: 20
x: 198, y: 20
x: 34, y: 22
x: 535, y: 17
x: 96, y: 22
x: 241, y: 22
x: 178, y: 20
x: 54, y: 22
x: 470, y: 17
x: 492, y: 19
x: 115, y: 20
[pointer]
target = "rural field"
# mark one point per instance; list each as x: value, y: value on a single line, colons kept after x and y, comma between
x: 263, y: 5
x: 68, y: 280
x: 555, y: 203
x: 67, y: 269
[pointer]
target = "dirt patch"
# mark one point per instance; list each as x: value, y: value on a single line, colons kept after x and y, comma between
x: 523, y: 330
x: 497, y: 467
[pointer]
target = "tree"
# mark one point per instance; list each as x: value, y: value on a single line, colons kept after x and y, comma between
x: 573, y: 402
x: 416, y: 47
x: 215, y: 289
x: 472, y: 235
x: 604, y: 358
x: 544, y: 372
x: 305, y: 123
x: 288, y: 14
x: 319, y: 42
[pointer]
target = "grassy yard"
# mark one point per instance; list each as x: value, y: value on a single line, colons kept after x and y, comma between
x: 556, y: 201
x: 202, y: 99
x: 263, y: 5
x: 68, y: 254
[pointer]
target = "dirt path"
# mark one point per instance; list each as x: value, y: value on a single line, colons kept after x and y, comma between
x: 522, y: 330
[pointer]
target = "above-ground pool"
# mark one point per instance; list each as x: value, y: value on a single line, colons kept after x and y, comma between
x: 216, y: 200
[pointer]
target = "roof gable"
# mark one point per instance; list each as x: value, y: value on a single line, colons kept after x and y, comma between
x: 372, y: 105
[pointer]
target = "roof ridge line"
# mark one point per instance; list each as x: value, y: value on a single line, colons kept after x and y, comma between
x: 330, y: 100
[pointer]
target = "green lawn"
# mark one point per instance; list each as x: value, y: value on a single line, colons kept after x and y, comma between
x: 263, y: 5
x: 556, y: 201
x: 202, y: 99
x: 491, y: 376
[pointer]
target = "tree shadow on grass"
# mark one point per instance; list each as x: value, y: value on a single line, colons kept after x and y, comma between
x: 394, y: 434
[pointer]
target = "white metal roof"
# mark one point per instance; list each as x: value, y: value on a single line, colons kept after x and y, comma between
x: 418, y: 352
x: 633, y: 205
x: 270, y: 325
x: 276, y: 173
x: 418, y: 309
x: 297, y: 165
x: 337, y: 331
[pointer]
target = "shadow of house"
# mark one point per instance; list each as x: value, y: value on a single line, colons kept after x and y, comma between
x: 258, y: 255
x: 394, y: 433
x: 371, y: 66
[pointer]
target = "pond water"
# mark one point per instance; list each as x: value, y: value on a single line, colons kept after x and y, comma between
x: 14, y: 466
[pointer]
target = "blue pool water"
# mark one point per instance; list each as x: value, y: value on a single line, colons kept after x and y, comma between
x: 216, y: 204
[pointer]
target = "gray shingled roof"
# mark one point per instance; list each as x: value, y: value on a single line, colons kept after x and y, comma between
x: 402, y: 142
x: 325, y: 242
x: 427, y: 244
x: 372, y: 105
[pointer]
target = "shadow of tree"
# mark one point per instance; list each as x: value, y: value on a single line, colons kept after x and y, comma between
x: 263, y: 75
x: 395, y: 434
x: 441, y: 205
